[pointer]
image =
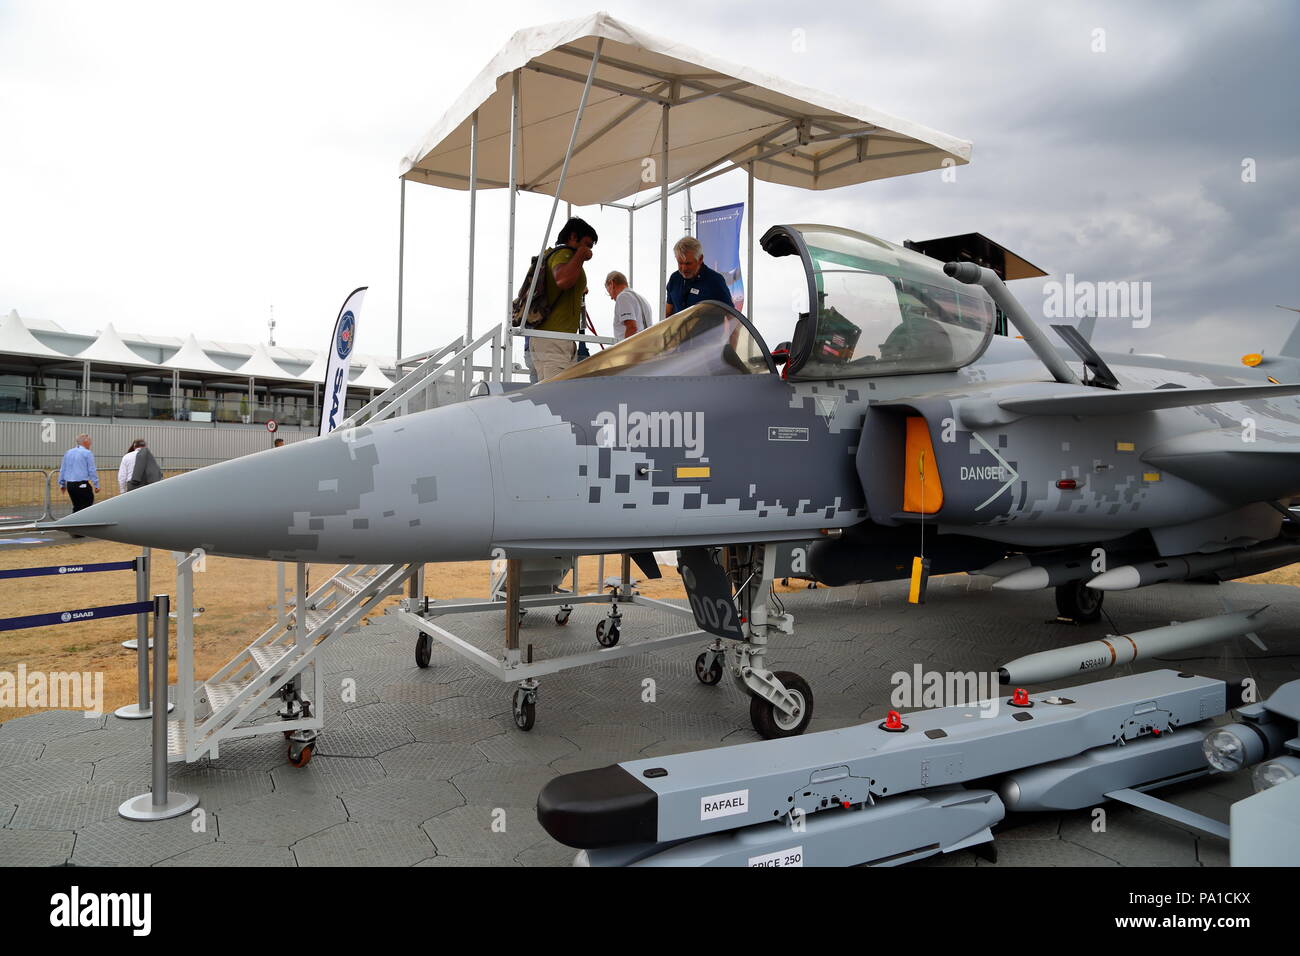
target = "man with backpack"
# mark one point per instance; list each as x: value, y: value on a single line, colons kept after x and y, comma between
x: 560, y: 289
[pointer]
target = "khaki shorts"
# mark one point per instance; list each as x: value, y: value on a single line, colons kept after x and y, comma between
x: 551, y: 356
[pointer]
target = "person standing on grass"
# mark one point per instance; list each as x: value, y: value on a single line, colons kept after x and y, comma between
x: 77, y: 474
x: 125, y: 469
x: 144, y: 469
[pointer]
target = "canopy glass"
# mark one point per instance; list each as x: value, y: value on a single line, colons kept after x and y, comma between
x: 880, y: 309
x: 707, y: 339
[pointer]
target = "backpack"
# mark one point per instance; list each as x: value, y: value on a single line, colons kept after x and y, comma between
x: 541, y: 308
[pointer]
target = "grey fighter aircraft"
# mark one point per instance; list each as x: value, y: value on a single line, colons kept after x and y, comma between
x: 896, y: 425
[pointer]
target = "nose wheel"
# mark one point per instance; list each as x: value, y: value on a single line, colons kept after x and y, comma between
x: 771, y: 721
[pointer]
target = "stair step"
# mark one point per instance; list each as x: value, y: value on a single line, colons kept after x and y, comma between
x: 220, y: 695
x: 268, y: 656
x: 175, y: 739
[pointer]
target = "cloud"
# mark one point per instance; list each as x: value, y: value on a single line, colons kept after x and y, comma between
x: 170, y: 168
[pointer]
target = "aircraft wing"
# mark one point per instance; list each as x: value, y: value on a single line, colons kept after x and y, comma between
x: 1098, y: 401
x: 1221, y: 461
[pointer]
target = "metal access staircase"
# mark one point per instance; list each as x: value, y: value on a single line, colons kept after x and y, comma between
x: 275, y: 684
x: 261, y: 689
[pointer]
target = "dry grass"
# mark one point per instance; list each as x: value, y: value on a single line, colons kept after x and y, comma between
x: 238, y: 597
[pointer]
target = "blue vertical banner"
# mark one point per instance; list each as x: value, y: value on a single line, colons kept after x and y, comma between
x: 718, y: 230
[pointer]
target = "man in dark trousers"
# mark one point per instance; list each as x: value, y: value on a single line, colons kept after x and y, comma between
x: 78, y: 476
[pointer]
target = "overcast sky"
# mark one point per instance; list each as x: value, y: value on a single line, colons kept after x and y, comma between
x: 174, y: 167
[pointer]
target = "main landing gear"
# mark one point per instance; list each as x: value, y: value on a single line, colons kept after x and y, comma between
x: 1078, y: 602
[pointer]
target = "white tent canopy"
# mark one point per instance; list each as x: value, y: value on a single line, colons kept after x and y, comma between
x: 17, y: 339
x: 718, y: 113
x: 315, y: 372
x: 192, y: 358
x: 111, y: 350
x: 372, y: 377
x: 261, y: 365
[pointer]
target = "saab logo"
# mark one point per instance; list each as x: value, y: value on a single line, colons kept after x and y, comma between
x: 70, y: 569
x: 65, y: 617
x: 346, y: 336
x: 334, y: 401
x: 724, y: 805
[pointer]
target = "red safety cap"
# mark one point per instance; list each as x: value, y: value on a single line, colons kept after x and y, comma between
x: 894, y: 720
x: 1020, y: 698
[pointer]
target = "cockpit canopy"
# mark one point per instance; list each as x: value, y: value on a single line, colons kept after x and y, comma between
x: 707, y: 339
x: 878, y: 309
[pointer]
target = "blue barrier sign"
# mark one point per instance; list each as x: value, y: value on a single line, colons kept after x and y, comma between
x: 81, y: 614
x: 67, y: 569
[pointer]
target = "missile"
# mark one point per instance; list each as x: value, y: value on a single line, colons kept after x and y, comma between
x: 1000, y: 569
x: 1040, y: 576
x: 1048, y: 571
x: 1234, y: 563
x: 1044, y: 569
x: 1125, y: 648
x: 1083, y: 780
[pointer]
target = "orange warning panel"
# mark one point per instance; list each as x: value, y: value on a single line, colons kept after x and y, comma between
x: 922, y: 489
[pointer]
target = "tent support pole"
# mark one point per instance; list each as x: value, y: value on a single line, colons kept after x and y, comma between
x: 564, y: 171
x: 401, y: 267
x: 631, y: 213
x: 473, y: 203
x: 749, y: 259
x: 507, y: 340
x: 663, y: 220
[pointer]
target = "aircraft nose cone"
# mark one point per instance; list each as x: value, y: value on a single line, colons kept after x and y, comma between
x: 414, y: 488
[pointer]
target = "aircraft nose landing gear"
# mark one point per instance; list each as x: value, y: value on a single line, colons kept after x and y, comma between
x: 781, y: 702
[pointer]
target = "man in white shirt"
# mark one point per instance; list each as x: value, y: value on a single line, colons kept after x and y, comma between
x: 631, y: 311
x: 125, y: 470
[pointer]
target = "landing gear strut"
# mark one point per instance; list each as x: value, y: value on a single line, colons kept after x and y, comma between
x: 781, y: 702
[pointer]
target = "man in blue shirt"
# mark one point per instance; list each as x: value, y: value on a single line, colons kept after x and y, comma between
x: 694, y: 281
x: 77, y: 474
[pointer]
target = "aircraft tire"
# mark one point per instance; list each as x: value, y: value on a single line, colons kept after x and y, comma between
x: 771, y: 724
x: 1078, y: 602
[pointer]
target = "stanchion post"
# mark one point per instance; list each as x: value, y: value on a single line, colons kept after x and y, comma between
x: 159, y: 803
x: 141, y: 709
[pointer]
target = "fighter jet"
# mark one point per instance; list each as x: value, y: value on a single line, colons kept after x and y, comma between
x: 895, y: 426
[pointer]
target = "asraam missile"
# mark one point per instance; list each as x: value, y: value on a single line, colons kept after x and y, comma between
x: 1125, y: 648
x: 1225, y: 565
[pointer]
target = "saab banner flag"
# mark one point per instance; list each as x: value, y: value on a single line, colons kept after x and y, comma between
x: 336, y: 373
x: 718, y: 230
